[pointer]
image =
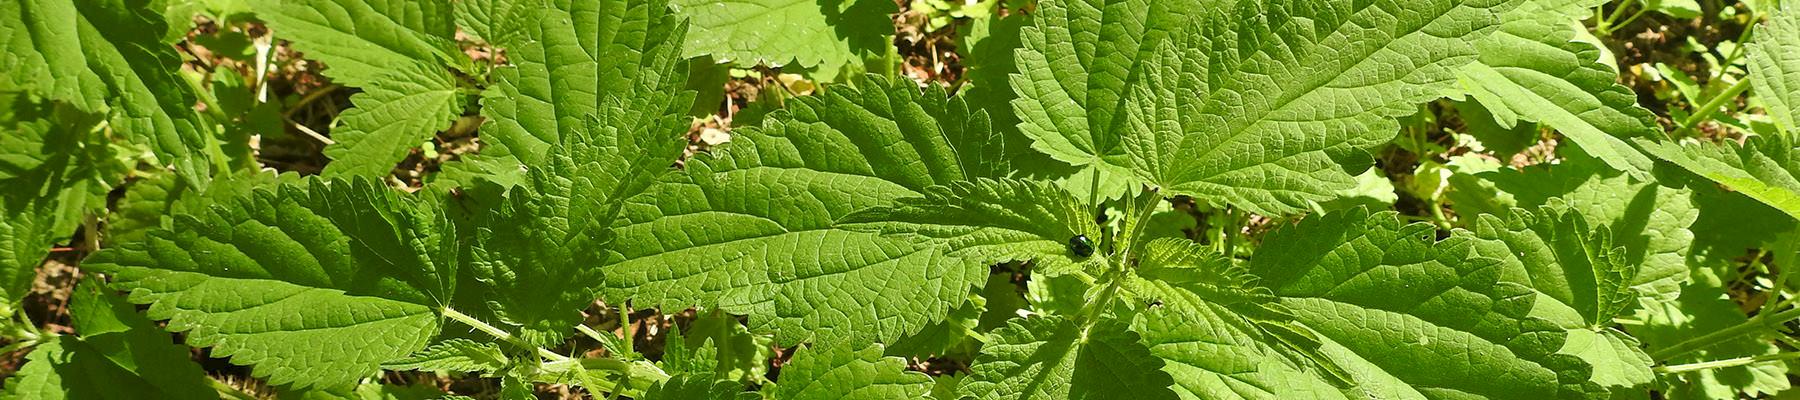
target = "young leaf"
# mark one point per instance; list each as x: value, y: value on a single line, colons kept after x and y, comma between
x: 826, y: 35
x: 1581, y: 279
x: 1775, y: 68
x: 102, y: 56
x: 1389, y: 300
x: 278, y: 277
x: 837, y: 371
x: 569, y: 65
x: 396, y: 51
x: 1267, y: 107
x: 116, y: 354
x: 749, y: 228
x: 1532, y: 69
x: 677, y: 358
x: 1052, y: 357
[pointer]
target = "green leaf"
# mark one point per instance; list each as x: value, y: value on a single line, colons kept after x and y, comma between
x: 1765, y: 168
x: 1775, y: 68
x: 396, y: 51
x: 740, y: 355
x: 943, y: 336
x: 749, y: 228
x: 105, y: 57
x: 278, y: 277
x: 988, y: 64
x: 837, y: 371
x: 57, y: 171
x: 1048, y: 357
x: 1581, y: 279
x: 1501, y: 141
x: 25, y: 240
x: 677, y: 358
x: 454, y: 355
x: 1730, y: 222
x: 116, y: 354
x: 1389, y: 301
x: 572, y: 63
x: 1533, y: 69
x: 536, y: 254
x: 821, y: 34
x: 1267, y: 107
x: 53, y: 155
x: 1649, y: 218
x: 1219, y: 333
x: 153, y: 199
x: 988, y: 221
x: 408, y: 107
x: 1618, y: 359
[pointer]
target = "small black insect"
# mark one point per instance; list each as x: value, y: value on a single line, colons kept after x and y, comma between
x: 1081, y: 245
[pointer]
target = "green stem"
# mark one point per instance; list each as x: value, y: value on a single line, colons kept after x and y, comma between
x: 1437, y: 215
x: 1605, y: 25
x: 26, y: 330
x: 1706, y: 110
x: 501, y: 334
x: 1094, y: 190
x: 1088, y: 312
x: 625, y: 326
x: 1231, y: 225
x: 623, y: 380
x: 1784, y: 256
x: 1726, y: 363
x: 310, y: 97
x: 19, y: 345
x: 1755, y: 324
x: 590, y: 332
x: 1634, y: 16
x: 1738, y: 51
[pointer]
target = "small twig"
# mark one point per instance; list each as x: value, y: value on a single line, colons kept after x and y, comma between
x: 309, y: 132
x: 311, y: 97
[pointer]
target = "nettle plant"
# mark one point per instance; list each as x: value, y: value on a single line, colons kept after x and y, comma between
x: 862, y: 225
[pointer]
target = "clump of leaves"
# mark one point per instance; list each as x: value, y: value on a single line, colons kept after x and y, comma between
x: 855, y: 225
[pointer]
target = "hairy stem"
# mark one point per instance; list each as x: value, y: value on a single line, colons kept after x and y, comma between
x: 1726, y: 363
x: 501, y: 334
x: 1756, y: 324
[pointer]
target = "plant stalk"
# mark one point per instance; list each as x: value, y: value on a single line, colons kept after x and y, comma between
x: 1726, y: 363
x: 1755, y: 324
x: 501, y: 334
x: 1712, y: 106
